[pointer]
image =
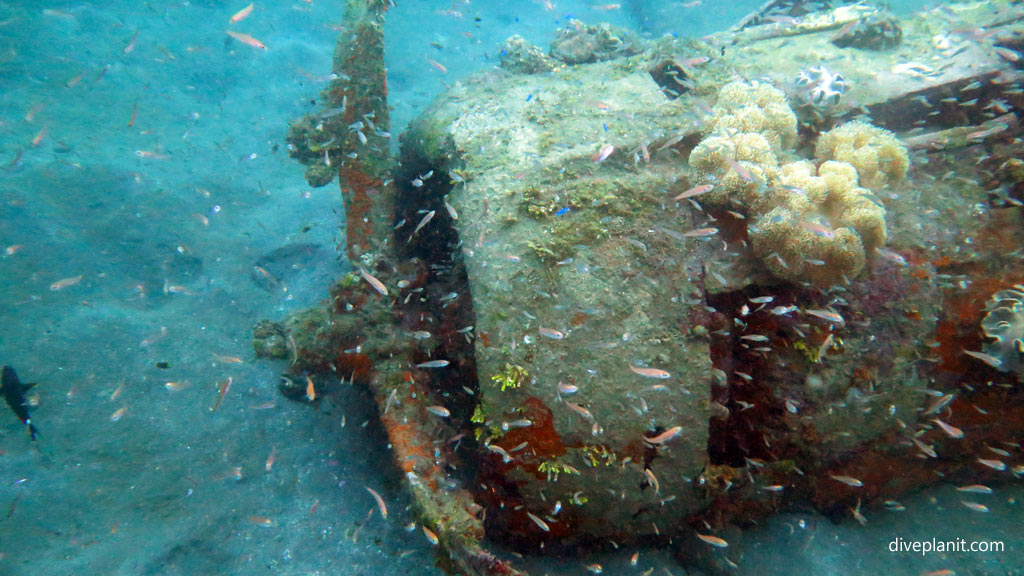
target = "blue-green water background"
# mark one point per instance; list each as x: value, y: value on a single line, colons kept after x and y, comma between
x: 190, y: 196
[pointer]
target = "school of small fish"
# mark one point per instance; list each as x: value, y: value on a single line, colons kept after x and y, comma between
x: 820, y: 327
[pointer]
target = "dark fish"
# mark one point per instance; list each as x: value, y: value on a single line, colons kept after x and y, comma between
x: 14, y: 394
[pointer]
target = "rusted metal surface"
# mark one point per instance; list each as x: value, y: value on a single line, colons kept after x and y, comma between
x: 360, y: 335
x: 349, y: 137
x: 540, y: 255
x: 567, y: 251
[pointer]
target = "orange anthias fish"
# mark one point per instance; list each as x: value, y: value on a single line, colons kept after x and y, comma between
x: 650, y: 372
x: 227, y: 359
x: 949, y: 429
x: 713, y: 540
x: 246, y: 39
x: 695, y: 191
x: 438, y: 66
x: 242, y: 14
x: 223, y: 387
x: 664, y: 436
x: 39, y: 137
x: 373, y: 281
x: 604, y: 153
x: 310, y: 389
x: 380, y: 502
x: 62, y: 284
x: 431, y: 536
x: 848, y: 480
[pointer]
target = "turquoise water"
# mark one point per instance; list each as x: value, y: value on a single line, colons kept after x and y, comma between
x: 144, y: 175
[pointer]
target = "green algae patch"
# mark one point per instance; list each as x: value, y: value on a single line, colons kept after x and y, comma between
x: 511, y: 377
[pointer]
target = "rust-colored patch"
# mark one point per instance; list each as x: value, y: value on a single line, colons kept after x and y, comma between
x: 865, y: 373
x: 542, y: 436
x: 893, y: 467
x: 355, y: 366
x: 413, y: 453
x: 732, y: 229
x: 959, y: 328
x: 357, y: 188
x: 1002, y: 233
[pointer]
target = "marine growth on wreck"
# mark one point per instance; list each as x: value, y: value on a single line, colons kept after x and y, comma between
x: 651, y: 291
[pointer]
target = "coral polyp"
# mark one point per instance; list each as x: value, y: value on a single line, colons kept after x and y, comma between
x: 1004, y: 324
x: 808, y: 222
x: 880, y: 159
x: 820, y: 87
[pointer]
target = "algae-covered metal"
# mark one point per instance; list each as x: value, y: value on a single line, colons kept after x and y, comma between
x: 581, y: 273
x: 664, y: 290
x: 595, y: 256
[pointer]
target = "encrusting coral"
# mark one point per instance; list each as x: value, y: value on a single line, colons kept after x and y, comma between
x: 808, y: 223
x: 1004, y: 323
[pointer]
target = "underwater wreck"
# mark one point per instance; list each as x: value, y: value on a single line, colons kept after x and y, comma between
x: 654, y: 290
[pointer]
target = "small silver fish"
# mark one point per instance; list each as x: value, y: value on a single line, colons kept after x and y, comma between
x: 567, y: 389
x: 451, y: 210
x: 828, y: 315
x: 580, y: 410
x: 540, y: 523
x: 848, y: 480
x: 891, y: 256
x: 551, y: 333
x: 925, y: 448
x: 701, y: 233
x: 604, y: 153
x: 426, y: 220
x: 501, y: 452
x: 440, y: 411
x: 975, y: 506
x: 949, y: 429
x: 992, y: 361
x: 433, y: 364
x: 373, y: 281
x: 993, y: 464
x: 664, y: 436
x: 783, y: 310
x: 975, y: 489
x: 650, y: 372
x: 695, y: 191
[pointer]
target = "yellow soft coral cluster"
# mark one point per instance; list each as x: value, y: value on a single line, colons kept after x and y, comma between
x: 821, y: 226
x: 751, y: 151
x: 755, y: 108
x: 880, y: 159
x: 809, y: 222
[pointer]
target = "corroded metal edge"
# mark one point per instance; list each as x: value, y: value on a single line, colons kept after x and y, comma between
x: 360, y: 90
